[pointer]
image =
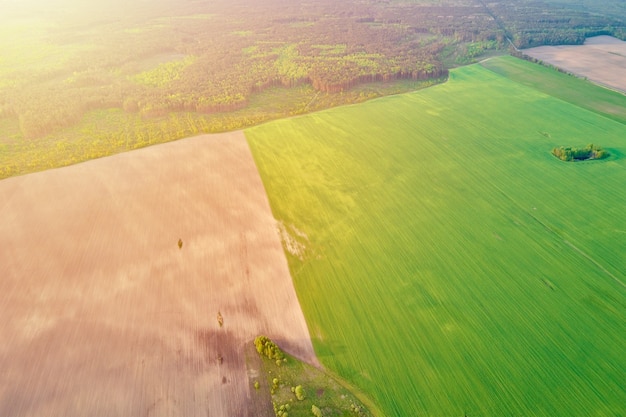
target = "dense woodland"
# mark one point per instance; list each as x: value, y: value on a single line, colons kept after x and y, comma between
x: 64, y: 59
x: 558, y: 22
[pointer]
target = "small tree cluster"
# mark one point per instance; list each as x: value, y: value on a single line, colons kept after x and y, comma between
x: 275, y: 386
x: 357, y: 409
x: 579, y: 154
x: 282, y: 410
x: 266, y: 347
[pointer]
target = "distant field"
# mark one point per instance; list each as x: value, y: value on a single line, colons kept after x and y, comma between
x: 601, y: 59
x: 565, y: 87
x: 447, y: 264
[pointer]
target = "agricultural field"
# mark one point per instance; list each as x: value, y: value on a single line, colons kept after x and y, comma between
x: 567, y: 88
x: 446, y: 262
x: 131, y: 284
x: 582, y: 60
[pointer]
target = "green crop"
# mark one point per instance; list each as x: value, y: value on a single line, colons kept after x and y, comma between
x: 445, y: 261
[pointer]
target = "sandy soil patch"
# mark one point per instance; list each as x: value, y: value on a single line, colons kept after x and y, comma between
x: 104, y: 315
x: 602, y: 59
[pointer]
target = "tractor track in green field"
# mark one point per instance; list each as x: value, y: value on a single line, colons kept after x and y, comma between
x: 596, y: 263
x: 567, y: 242
x: 575, y: 248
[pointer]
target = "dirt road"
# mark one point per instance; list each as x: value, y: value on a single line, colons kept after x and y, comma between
x: 104, y: 315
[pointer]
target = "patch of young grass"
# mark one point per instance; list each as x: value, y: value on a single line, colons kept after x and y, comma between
x: 451, y: 265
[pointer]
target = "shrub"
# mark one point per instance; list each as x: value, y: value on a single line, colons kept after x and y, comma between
x: 357, y: 410
x: 300, y: 394
x: 316, y: 411
x: 282, y: 410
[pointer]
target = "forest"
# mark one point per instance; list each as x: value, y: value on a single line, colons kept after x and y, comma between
x: 64, y: 60
x: 530, y: 24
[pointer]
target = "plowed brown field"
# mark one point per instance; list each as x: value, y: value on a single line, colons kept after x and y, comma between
x: 104, y: 315
x: 601, y: 59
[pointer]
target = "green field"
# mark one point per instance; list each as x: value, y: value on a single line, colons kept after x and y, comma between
x: 445, y: 261
x: 567, y: 88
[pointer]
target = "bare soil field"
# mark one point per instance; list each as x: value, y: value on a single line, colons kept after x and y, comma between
x: 104, y: 315
x: 602, y: 59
